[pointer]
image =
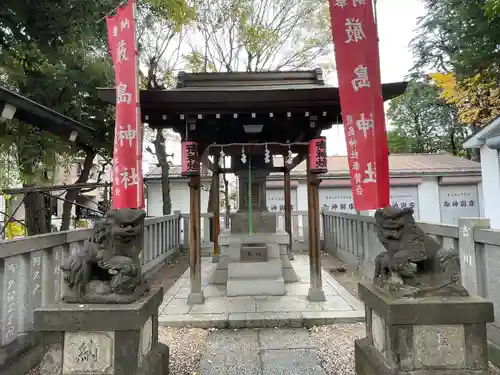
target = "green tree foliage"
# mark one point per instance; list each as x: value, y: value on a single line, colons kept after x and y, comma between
x: 421, y: 122
x: 459, y: 36
x: 492, y: 7
x: 459, y: 41
x: 55, y: 53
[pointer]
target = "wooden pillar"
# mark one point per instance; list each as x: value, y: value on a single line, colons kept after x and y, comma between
x: 288, y: 209
x: 216, y: 217
x: 316, y: 292
x: 195, y: 294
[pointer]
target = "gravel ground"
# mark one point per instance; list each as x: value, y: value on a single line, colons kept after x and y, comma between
x: 335, y: 347
x: 186, y: 345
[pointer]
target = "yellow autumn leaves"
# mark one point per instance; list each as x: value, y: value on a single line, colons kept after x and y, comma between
x: 476, y: 99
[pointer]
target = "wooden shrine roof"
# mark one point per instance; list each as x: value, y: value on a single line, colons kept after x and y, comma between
x: 30, y: 112
x: 292, y: 106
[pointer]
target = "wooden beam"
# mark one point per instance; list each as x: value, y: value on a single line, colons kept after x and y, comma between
x: 34, y: 189
x: 316, y: 293
x: 207, y: 163
x: 271, y: 169
x: 196, y: 294
x: 301, y: 156
x: 288, y: 210
x: 216, y: 218
x: 257, y: 148
x: 295, y: 161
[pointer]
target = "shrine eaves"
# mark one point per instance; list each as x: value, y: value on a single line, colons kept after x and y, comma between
x: 208, y: 108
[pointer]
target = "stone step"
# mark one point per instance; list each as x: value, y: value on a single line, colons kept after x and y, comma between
x: 259, y: 287
x: 255, y: 270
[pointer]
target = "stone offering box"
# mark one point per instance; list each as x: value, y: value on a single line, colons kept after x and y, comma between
x: 422, y: 336
x: 102, y: 339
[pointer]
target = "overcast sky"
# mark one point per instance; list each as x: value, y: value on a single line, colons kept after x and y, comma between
x: 397, y: 25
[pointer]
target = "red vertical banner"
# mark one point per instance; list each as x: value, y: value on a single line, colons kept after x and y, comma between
x: 128, y: 185
x: 360, y: 88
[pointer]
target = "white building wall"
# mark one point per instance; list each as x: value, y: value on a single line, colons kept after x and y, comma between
x: 490, y: 170
x: 428, y: 197
x: 302, y: 196
x: 276, y: 199
x: 179, y: 195
x: 480, y: 198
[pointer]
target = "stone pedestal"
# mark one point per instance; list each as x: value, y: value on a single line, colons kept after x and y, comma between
x: 262, y: 222
x: 261, y: 273
x: 102, y: 339
x: 423, y: 336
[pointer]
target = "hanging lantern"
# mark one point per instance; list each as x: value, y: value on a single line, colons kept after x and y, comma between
x: 190, y: 162
x: 317, y: 155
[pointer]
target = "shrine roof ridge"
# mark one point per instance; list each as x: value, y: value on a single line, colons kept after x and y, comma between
x: 266, y: 78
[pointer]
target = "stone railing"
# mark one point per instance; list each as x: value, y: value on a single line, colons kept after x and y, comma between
x: 30, y: 274
x: 353, y: 239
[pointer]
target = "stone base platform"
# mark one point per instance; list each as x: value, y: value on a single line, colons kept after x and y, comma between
x: 291, y: 310
x: 423, y: 336
x: 90, y: 339
x: 277, y: 248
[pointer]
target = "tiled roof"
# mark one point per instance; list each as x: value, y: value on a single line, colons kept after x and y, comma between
x: 398, y: 163
x: 407, y: 164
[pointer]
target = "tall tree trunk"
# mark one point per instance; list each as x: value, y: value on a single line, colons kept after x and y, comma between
x: 453, y: 144
x: 72, y: 194
x: 161, y: 155
x: 35, y: 211
x: 35, y: 208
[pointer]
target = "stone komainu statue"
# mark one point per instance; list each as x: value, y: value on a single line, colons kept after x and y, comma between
x: 414, y: 264
x: 108, y: 269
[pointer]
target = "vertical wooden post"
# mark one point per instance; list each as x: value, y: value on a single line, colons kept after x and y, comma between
x: 288, y: 209
x: 216, y: 217
x: 316, y: 292
x: 196, y: 294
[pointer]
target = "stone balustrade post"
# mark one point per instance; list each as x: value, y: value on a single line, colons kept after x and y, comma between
x: 177, y: 228
x: 206, y: 229
x: 185, y: 225
x: 305, y: 229
x: 467, y: 247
